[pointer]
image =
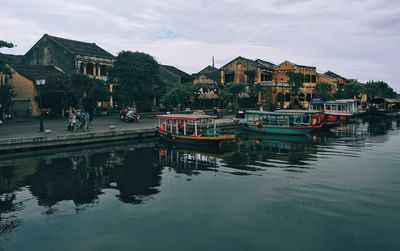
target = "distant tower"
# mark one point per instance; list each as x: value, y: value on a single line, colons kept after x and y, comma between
x: 213, y: 61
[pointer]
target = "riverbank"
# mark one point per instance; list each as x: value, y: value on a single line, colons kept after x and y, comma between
x: 25, y: 135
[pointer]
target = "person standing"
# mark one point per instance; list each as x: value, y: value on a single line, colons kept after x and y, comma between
x: 90, y: 119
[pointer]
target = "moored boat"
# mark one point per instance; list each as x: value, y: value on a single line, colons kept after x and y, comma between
x: 337, y: 111
x: 195, y: 129
x: 384, y: 107
x: 289, y: 122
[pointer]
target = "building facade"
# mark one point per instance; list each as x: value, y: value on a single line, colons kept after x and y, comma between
x: 283, y: 89
x: 25, y: 79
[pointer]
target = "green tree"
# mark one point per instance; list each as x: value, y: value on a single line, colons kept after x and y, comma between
x: 351, y: 90
x: 229, y: 92
x: 296, y: 81
x: 77, y: 89
x: 177, y: 94
x: 7, y: 91
x: 324, y: 90
x: 138, y: 78
x: 379, y: 89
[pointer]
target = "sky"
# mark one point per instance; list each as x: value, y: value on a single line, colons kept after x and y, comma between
x: 358, y: 39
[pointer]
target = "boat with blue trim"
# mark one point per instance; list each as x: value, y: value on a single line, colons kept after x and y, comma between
x: 289, y: 122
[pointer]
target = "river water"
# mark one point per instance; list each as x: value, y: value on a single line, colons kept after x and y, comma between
x: 336, y: 190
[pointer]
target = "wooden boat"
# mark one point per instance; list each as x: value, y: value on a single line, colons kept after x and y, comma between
x: 195, y: 129
x: 289, y: 122
x: 337, y: 111
x: 384, y: 107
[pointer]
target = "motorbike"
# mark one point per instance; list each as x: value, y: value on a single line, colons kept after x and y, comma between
x: 129, y: 116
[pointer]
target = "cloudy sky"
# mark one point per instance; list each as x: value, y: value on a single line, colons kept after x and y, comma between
x: 354, y: 38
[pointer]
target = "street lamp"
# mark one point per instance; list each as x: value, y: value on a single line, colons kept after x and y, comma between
x: 38, y: 83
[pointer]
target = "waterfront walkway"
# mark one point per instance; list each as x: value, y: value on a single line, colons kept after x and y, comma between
x: 24, y: 134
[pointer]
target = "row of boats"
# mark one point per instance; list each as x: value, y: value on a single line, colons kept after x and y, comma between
x: 199, y: 129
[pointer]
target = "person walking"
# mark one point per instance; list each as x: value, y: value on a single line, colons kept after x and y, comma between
x: 90, y: 119
x: 86, y: 118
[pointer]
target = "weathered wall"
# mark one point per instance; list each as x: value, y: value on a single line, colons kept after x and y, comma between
x: 48, y: 52
x: 24, y: 101
x: 243, y: 70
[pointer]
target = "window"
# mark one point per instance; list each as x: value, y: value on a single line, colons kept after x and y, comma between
x: 250, y: 77
x: 313, y: 79
x: 229, y: 78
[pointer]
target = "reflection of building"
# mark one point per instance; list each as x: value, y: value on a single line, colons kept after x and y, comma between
x: 80, y: 176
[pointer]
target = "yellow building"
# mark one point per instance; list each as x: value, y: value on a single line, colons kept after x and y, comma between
x: 282, y: 87
x: 25, y: 79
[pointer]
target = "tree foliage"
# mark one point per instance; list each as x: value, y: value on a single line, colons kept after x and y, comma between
x: 3, y: 67
x: 324, y: 90
x: 296, y: 81
x: 7, y: 92
x: 350, y: 91
x: 379, y: 89
x: 75, y: 90
x: 177, y: 94
x: 138, y: 78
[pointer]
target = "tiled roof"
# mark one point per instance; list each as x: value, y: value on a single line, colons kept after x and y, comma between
x: 215, y: 75
x: 298, y: 65
x: 265, y: 63
x: 208, y: 69
x: 175, y: 71
x: 82, y: 48
x: 239, y: 58
x: 11, y: 59
x: 334, y: 75
x: 36, y: 72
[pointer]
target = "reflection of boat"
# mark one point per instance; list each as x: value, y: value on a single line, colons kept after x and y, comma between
x: 191, y: 129
x: 289, y: 122
x: 214, y: 151
x: 276, y: 137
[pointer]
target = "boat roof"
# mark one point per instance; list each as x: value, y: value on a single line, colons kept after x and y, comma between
x: 317, y: 101
x: 184, y: 116
x: 388, y: 100
x: 283, y: 112
x: 341, y: 101
x: 298, y: 111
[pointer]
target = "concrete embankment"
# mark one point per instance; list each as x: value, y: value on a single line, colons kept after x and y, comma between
x: 28, y: 143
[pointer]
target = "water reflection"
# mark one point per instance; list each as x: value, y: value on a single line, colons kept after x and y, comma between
x: 135, y: 171
x: 81, y: 176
